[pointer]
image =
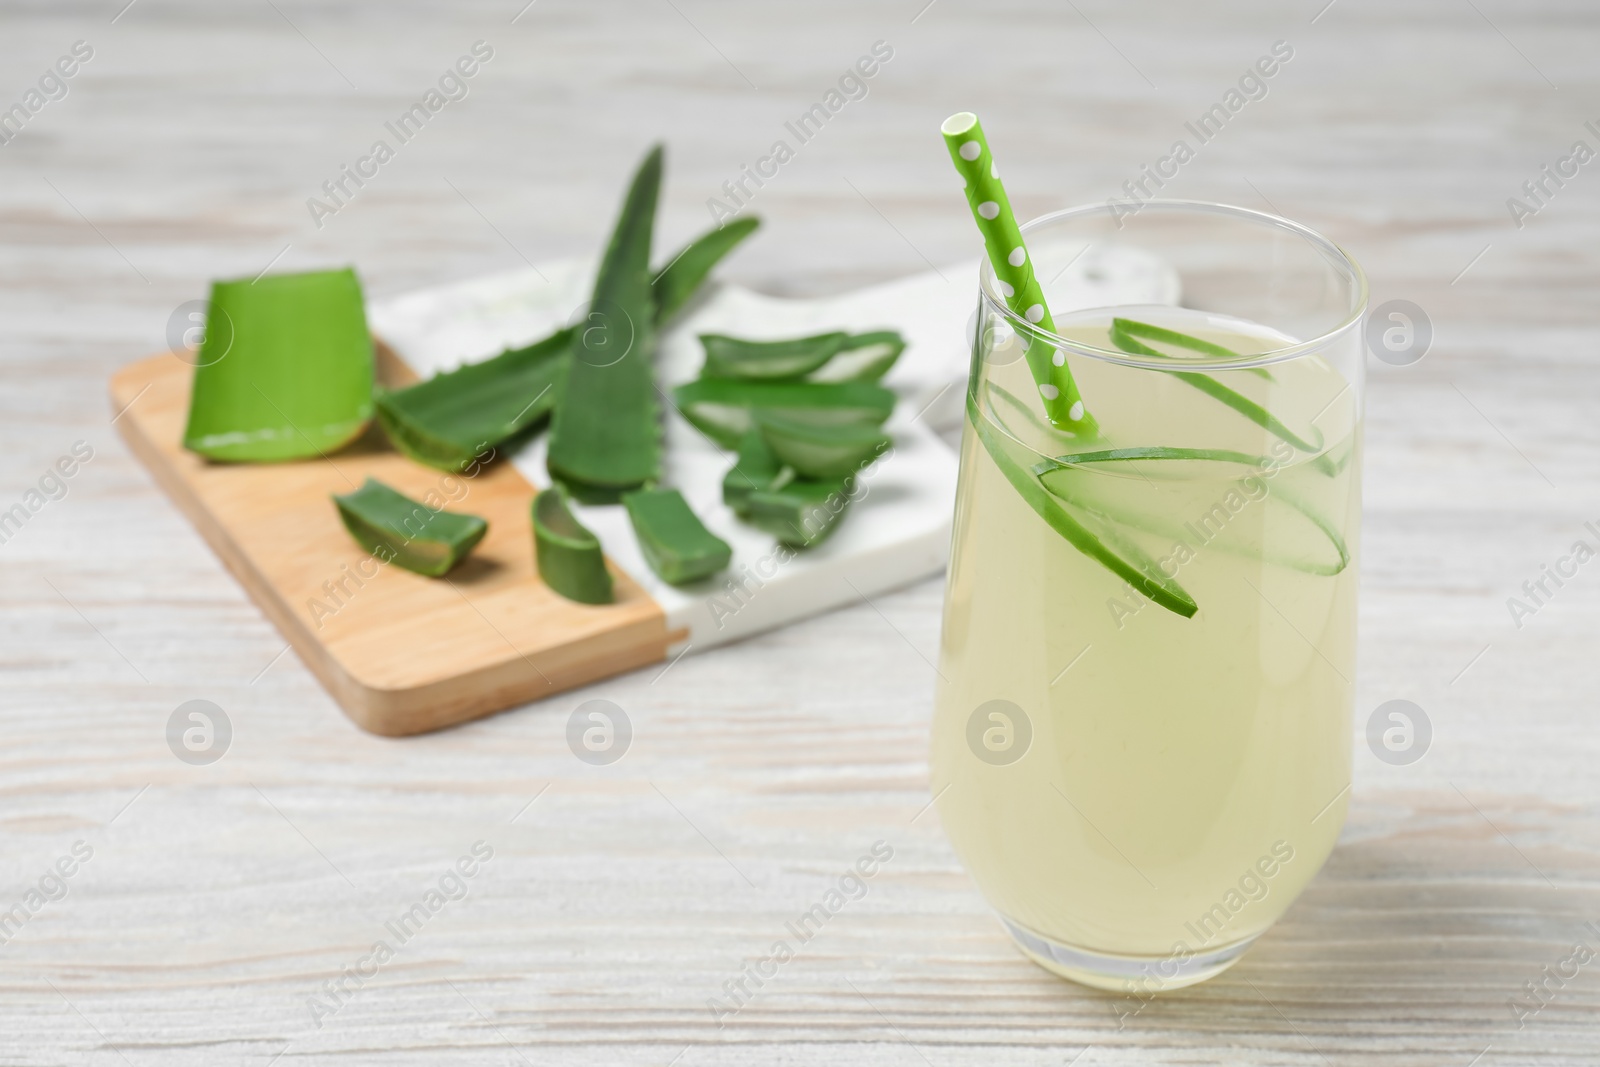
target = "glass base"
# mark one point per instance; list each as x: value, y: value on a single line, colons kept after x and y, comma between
x: 1125, y: 974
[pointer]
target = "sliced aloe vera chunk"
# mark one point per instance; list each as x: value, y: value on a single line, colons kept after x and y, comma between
x: 1082, y: 530
x: 821, y: 452
x: 1316, y: 548
x: 674, y: 541
x: 448, y: 420
x: 864, y: 357
x: 567, y: 554
x: 285, y: 370
x: 799, y: 513
x: 676, y: 283
x: 396, y: 529
x: 1123, y: 339
x: 734, y: 357
x: 721, y: 407
x: 605, y: 438
x: 757, y: 468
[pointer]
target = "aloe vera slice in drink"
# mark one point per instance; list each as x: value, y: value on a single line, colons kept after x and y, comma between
x: 396, y: 529
x: 800, y: 513
x: 821, y: 452
x: 1264, y: 534
x: 1026, y: 413
x: 1186, y: 456
x: 567, y: 553
x: 674, y: 541
x: 1094, y: 538
x: 1183, y: 340
x: 1336, y: 459
x: 285, y: 370
x: 1124, y: 339
x: 864, y: 357
x: 676, y: 283
x: 605, y: 437
x: 448, y: 420
x: 722, y: 407
x: 758, y: 468
x: 734, y: 357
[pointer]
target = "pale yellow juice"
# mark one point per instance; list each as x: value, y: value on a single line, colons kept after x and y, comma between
x: 1185, y: 777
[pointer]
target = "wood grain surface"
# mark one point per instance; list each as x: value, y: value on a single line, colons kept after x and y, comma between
x: 402, y: 654
x: 218, y: 901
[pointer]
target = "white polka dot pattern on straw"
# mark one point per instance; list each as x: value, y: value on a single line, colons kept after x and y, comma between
x: 1014, y: 271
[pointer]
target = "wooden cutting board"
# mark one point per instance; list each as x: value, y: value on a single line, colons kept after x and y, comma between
x: 401, y: 653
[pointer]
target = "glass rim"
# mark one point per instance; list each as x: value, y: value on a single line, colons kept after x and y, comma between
x: 1330, y: 250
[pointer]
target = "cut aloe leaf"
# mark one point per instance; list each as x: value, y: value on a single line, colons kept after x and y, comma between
x: 1292, y: 534
x: 1027, y: 413
x: 674, y: 541
x: 799, y: 513
x: 1172, y: 337
x: 1150, y: 452
x: 1163, y: 335
x: 605, y: 437
x: 1089, y: 536
x: 734, y: 357
x: 1335, y: 460
x: 1215, y: 389
x: 864, y: 357
x: 757, y: 468
x: 821, y: 452
x: 823, y: 357
x: 396, y: 529
x: 676, y: 283
x: 450, y: 419
x: 721, y: 407
x: 285, y: 370
x: 568, y: 555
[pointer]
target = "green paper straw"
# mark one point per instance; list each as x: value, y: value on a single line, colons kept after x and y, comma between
x: 1013, y: 268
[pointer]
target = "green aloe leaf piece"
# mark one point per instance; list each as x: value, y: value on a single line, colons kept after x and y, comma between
x: 864, y: 357
x: 1182, y: 340
x: 822, y: 452
x: 800, y: 513
x: 1065, y: 478
x: 285, y: 371
x: 721, y: 407
x: 1123, y: 339
x: 675, y: 542
x: 734, y: 357
x: 397, y: 529
x: 605, y: 437
x: 677, y: 282
x: 757, y: 468
x: 1082, y: 530
x: 448, y: 420
x: 568, y: 555
x: 823, y: 357
x: 1150, y: 452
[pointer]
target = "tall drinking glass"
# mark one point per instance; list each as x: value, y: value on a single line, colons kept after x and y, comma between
x: 1141, y: 747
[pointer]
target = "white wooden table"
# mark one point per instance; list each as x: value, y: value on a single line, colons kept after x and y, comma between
x: 220, y: 899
